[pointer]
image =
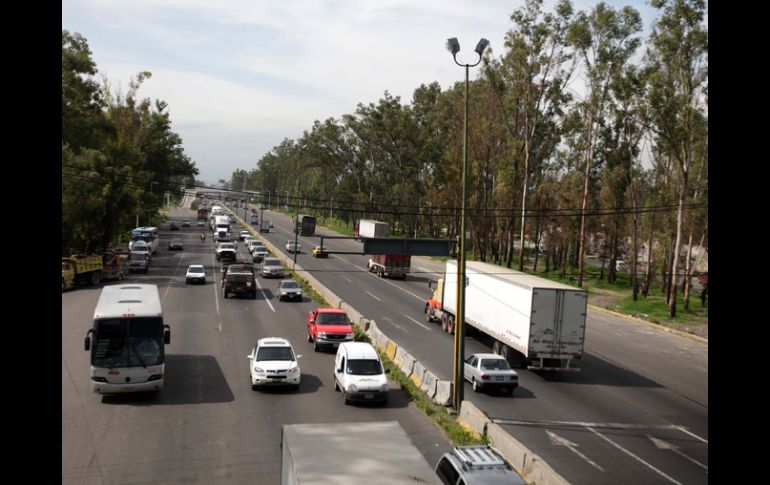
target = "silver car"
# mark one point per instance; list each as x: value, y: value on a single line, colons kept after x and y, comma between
x: 490, y: 371
x: 290, y: 290
x: 272, y: 268
x: 292, y: 247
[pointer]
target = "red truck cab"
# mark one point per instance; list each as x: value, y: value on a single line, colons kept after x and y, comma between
x: 329, y: 327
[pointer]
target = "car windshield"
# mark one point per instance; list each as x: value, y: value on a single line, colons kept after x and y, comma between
x: 195, y: 269
x: 272, y: 262
x: 332, y: 319
x: 494, y: 364
x: 368, y: 367
x: 274, y: 353
x: 226, y: 246
x: 289, y: 285
x: 137, y: 256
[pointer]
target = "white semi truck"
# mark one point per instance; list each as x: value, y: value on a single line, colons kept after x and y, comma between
x: 535, y: 323
x: 346, y: 453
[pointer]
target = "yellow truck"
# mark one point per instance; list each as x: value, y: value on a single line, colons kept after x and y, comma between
x: 91, y: 269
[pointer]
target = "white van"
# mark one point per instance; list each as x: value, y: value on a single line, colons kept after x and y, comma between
x: 359, y: 374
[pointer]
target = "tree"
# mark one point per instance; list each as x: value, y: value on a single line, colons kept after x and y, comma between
x: 677, y: 56
x: 604, y: 42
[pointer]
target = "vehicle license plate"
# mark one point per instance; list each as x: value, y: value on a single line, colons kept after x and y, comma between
x: 500, y: 378
x: 368, y: 396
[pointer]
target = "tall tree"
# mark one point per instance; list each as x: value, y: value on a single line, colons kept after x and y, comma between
x: 604, y: 41
x: 678, y: 57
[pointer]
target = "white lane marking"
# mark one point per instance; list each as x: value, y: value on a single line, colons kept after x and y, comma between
x: 664, y: 445
x: 372, y: 295
x: 265, y: 295
x: 422, y: 299
x: 418, y: 323
x: 633, y: 456
x: 346, y: 279
x: 390, y: 320
x: 686, y: 431
x: 559, y: 441
x: 216, y: 293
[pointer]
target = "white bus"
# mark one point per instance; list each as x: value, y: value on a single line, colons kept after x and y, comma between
x: 146, y: 234
x: 129, y: 336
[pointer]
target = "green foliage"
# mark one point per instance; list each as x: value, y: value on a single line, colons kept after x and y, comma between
x: 119, y: 155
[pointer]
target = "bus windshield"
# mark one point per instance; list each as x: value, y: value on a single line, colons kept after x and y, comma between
x: 128, y: 342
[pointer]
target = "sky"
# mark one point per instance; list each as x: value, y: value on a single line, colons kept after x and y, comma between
x: 240, y: 76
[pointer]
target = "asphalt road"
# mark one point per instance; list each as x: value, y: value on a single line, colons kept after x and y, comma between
x: 207, y: 425
x: 637, y: 413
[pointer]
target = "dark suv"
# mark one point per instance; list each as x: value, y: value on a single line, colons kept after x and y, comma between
x: 239, y: 279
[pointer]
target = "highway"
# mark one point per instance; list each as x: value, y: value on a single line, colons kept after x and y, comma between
x: 207, y: 425
x: 637, y: 413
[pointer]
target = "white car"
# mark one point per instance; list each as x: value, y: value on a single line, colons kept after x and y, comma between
x: 293, y: 247
x: 485, y: 371
x: 248, y: 238
x: 272, y: 363
x: 196, y: 273
x: 243, y: 234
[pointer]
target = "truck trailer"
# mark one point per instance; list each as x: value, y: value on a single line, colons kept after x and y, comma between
x: 390, y: 265
x: 305, y: 224
x: 372, y: 228
x: 535, y: 323
x: 378, y: 452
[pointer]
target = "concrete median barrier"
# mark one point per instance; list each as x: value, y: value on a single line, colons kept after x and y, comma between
x: 474, y: 417
x: 429, y: 380
x: 443, y: 395
x: 537, y: 471
x: 390, y: 349
x: 404, y: 361
x: 418, y: 372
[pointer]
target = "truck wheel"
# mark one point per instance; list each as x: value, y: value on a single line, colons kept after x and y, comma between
x: 427, y: 313
x: 336, y: 386
x: 443, y: 322
x: 496, y: 348
x: 96, y: 277
x: 316, y: 348
x: 450, y: 325
x: 309, y: 338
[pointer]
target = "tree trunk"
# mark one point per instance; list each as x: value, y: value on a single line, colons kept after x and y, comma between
x: 584, y: 205
x: 677, y: 245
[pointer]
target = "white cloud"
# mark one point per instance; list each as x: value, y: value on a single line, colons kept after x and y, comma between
x: 260, y: 71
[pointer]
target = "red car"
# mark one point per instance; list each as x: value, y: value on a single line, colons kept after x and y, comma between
x: 329, y: 327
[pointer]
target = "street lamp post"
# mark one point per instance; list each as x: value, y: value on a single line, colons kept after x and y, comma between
x: 459, y: 344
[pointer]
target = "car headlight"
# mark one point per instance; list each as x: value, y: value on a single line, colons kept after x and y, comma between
x: 259, y: 370
x: 293, y: 370
x: 350, y: 335
x: 384, y: 387
x: 322, y: 335
x: 353, y: 388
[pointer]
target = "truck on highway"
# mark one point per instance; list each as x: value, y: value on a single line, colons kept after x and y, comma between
x: 390, y: 265
x: 305, y: 224
x: 203, y: 214
x: 239, y: 278
x: 265, y: 226
x: 80, y: 269
x: 372, y: 228
x: 334, y: 453
x: 535, y: 323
